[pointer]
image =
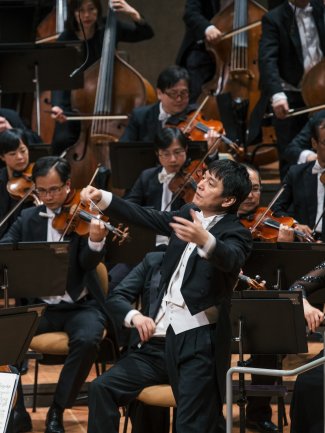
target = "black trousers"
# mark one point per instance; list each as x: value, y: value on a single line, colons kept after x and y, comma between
x: 84, y: 323
x: 121, y: 384
x: 191, y: 367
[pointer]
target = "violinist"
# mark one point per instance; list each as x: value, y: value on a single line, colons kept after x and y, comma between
x: 292, y: 42
x: 76, y: 312
x: 89, y: 14
x: 303, y: 196
x: 14, y: 153
x: 173, y: 106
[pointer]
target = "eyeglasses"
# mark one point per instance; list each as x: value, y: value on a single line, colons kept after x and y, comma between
x: 54, y: 190
x: 173, y: 94
x: 176, y: 153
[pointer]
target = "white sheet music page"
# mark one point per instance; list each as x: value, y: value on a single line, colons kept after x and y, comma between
x: 8, y: 385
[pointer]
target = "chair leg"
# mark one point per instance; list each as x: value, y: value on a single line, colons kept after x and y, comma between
x: 35, y: 385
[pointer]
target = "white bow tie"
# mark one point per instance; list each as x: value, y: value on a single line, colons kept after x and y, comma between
x: 317, y: 168
x: 164, y: 177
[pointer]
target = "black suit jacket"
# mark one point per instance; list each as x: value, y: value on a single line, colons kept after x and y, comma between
x: 206, y: 282
x: 197, y: 16
x: 147, y: 190
x: 31, y: 227
x: 280, y: 55
x: 299, y: 198
x: 142, y: 282
x: 303, y: 140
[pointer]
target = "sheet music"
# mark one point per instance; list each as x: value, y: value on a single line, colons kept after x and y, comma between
x: 8, y: 385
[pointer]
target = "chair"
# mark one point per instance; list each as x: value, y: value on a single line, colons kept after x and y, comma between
x: 54, y: 346
x: 156, y: 395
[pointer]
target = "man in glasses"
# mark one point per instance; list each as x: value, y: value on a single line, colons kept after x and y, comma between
x: 76, y: 312
x: 172, y: 107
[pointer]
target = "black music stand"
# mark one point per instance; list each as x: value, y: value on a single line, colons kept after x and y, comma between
x: 266, y: 322
x: 281, y: 264
x: 33, y: 269
x: 33, y: 68
x: 129, y: 159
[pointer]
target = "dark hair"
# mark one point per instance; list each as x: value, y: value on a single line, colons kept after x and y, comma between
x: 317, y: 124
x: 10, y: 140
x: 254, y: 169
x: 43, y: 166
x: 166, y: 136
x: 73, y: 6
x: 170, y: 76
x: 235, y: 180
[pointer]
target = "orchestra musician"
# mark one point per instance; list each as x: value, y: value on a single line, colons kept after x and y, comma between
x: 307, y: 408
x: 10, y: 119
x: 300, y: 149
x: 173, y: 105
x: 89, y: 13
x: 141, y: 366
x: 14, y: 153
x: 303, y: 196
x: 292, y: 42
x: 207, y: 248
x: 76, y: 312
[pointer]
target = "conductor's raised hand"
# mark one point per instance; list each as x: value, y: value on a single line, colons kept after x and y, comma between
x: 90, y: 194
x: 190, y: 231
x: 145, y: 326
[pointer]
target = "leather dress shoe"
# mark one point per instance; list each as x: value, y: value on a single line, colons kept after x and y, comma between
x: 54, y: 420
x: 22, y: 422
x: 262, y: 426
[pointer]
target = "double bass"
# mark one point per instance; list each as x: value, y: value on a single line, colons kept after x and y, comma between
x: 111, y: 87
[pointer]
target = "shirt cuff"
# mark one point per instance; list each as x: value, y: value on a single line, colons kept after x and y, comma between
x: 303, y: 156
x: 96, y: 246
x: 277, y: 97
x: 106, y: 200
x: 206, y: 251
x: 208, y: 28
x: 128, y: 318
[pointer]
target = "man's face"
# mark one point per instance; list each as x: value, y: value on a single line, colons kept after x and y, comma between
x: 319, y: 146
x: 208, y: 196
x: 175, y: 99
x: 173, y: 157
x: 17, y: 160
x: 51, y: 190
x: 253, y: 199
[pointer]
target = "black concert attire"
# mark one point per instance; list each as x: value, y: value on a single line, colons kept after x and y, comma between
x: 66, y: 134
x: 197, y: 354
x: 16, y: 122
x: 145, y: 122
x: 80, y: 316
x: 282, y: 52
x: 303, y: 196
x: 141, y: 366
x: 300, y: 147
x: 306, y: 411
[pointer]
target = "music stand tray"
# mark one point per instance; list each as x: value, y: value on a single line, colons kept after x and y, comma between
x: 34, y: 269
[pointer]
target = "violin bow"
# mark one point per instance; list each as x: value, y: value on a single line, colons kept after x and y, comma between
x: 277, y: 195
x: 298, y: 111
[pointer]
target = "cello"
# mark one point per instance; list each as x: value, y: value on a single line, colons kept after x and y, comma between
x: 112, y: 87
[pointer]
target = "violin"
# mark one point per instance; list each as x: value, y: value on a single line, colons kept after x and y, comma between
x: 265, y: 226
x: 20, y: 185
x: 76, y: 216
x: 255, y: 284
x: 185, y: 181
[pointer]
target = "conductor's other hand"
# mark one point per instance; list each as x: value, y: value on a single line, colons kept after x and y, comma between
x: 57, y: 114
x: 90, y: 194
x: 145, y: 326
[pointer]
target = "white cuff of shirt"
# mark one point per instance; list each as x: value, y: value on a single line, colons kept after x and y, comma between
x: 304, y: 155
x: 278, y: 96
x: 209, y: 27
x: 128, y: 318
x: 96, y: 246
x: 106, y: 200
x: 208, y: 247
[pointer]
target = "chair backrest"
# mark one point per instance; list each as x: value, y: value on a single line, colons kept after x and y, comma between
x: 103, y: 277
